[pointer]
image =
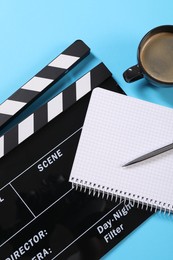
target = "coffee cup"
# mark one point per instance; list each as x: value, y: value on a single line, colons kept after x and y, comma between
x: 155, y: 58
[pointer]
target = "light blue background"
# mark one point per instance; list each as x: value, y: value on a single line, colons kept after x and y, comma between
x: 34, y: 32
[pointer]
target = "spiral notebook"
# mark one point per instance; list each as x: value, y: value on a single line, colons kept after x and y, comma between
x: 116, y: 130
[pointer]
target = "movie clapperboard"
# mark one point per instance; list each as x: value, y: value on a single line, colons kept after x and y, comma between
x: 42, y: 216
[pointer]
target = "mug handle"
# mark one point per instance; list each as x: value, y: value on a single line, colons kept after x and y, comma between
x: 132, y: 74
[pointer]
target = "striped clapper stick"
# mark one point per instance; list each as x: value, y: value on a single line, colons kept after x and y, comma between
x: 53, y: 108
x: 43, y: 80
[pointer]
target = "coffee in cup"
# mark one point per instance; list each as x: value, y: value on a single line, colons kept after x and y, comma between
x: 155, y: 58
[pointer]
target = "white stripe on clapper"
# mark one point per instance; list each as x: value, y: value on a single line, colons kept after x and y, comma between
x: 63, y: 61
x: 83, y: 86
x: 55, y: 107
x: 26, y: 128
x: 10, y: 107
x: 1, y: 146
x: 37, y: 84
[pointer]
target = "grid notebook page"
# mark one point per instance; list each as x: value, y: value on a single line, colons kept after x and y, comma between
x: 118, y: 129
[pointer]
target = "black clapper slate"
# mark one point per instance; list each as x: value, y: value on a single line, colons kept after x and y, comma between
x: 57, y: 220
x: 42, y: 81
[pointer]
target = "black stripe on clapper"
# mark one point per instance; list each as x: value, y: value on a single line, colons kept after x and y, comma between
x: 4, y: 119
x: 78, y: 49
x: 69, y: 96
x: 40, y: 117
x: 97, y: 77
x: 11, y: 139
x: 50, y: 73
x: 23, y: 95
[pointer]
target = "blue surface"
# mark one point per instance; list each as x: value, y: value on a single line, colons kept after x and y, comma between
x: 32, y: 33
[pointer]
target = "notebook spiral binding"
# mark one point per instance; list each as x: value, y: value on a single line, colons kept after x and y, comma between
x: 114, y: 194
